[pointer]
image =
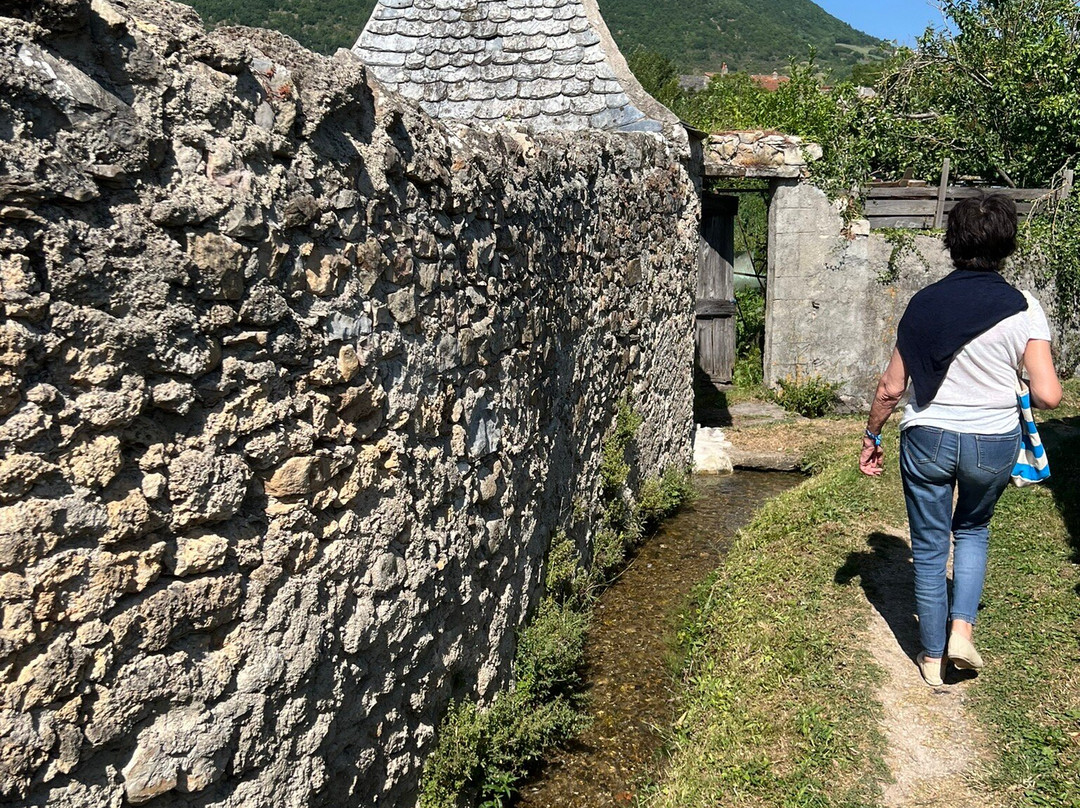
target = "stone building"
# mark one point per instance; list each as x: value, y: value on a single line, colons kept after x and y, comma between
x: 545, y: 64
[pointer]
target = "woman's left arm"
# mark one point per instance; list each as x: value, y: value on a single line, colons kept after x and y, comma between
x: 889, y: 391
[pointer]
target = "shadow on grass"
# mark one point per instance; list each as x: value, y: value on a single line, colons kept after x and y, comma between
x: 1061, y: 437
x: 887, y: 577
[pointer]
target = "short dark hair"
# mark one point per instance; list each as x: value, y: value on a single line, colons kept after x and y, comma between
x: 982, y: 231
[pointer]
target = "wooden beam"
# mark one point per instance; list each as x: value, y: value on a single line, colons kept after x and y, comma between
x: 956, y: 192
x: 707, y: 309
x: 900, y: 207
x: 919, y: 207
x: 901, y: 222
x: 924, y: 222
x: 1066, y: 183
x: 719, y: 205
x: 895, y: 192
x: 943, y: 189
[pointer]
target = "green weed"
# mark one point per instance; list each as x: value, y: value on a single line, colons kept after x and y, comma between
x: 661, y: 496
x: 483, y: 753
x: 564, y: 573
x: 809, y: 396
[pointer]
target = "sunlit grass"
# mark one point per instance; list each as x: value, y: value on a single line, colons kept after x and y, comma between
x: 778, y: 706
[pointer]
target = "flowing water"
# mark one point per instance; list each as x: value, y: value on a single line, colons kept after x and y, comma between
x: 628, y: 650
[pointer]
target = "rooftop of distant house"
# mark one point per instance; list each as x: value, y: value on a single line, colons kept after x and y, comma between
x: 770, y: 83
x: 700, y: 82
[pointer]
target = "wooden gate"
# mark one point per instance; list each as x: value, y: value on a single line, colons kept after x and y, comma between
x: 715, y: 311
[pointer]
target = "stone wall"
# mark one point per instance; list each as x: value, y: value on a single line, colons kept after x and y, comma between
x: 760, y: 154
x: 836, y: 294
x: 295, y: 386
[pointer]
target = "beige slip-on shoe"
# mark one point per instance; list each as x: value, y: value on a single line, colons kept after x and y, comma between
x: 962, y: 653
x: 931, y: 671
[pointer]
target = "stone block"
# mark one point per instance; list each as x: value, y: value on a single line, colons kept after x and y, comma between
x: 19, y: 473
x: 402, y: 305
x: 324, y: 276
x: 94, y: 463
x: 297, y: 477
x: 220, y: 261
x: 180, y: 609
x: 348, y: 362
x: 130, y: 518
x: 206, y: 487
x: 198, y: 554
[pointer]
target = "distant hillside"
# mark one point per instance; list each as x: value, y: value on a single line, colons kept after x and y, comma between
x: 754, y: 37
x: 322, y: 25
x: 698, y: 35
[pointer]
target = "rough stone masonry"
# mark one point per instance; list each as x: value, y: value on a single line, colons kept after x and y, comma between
x: 295, y: 386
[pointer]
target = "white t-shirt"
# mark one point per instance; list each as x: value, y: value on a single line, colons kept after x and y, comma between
x: 978, y: 395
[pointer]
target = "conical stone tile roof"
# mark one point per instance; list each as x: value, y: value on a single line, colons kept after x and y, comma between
x: 547, y: 64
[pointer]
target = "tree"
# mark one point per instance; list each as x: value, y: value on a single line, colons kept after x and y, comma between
x: 1001, y: 95
x: 657, y: 74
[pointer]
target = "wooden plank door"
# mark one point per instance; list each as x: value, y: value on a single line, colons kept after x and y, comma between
x: 715, y: 312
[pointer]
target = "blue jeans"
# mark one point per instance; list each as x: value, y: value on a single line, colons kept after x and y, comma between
x: 932, y: 463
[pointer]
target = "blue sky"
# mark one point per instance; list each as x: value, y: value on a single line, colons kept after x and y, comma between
x: 901, y: 20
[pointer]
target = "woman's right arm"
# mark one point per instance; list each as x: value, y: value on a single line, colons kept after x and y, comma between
x: 1043, y: 380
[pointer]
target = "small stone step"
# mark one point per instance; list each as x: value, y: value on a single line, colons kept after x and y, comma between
x: 712, y: 451
x: 765, y: 461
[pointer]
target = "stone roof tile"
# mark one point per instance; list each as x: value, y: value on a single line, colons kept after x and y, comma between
x: 547, y: 63
x: 570, y: 56
x: 538, y: 55
x: 644, y: 125
x: 508, y: 90
x: 587, y: 105
x: 379, y: 59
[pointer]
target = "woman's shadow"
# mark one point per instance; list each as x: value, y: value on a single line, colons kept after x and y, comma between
x: 887, y: 577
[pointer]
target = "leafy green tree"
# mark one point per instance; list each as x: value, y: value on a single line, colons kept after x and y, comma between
x: 1001, y: 95
x: 657, y: 74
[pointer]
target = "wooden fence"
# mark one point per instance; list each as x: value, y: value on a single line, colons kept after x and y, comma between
x: 925, y: 207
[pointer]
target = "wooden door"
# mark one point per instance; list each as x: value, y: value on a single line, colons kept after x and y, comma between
x: 715, y: 311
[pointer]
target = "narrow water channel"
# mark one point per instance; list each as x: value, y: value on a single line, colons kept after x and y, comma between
x: 629, y: 679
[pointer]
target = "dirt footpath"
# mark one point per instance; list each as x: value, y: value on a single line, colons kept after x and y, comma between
x: 936, y: 748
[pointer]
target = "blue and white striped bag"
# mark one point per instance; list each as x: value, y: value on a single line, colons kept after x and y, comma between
x: 1031, y: 464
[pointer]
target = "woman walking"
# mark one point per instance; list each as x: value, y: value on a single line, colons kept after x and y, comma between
x: 961, y: 343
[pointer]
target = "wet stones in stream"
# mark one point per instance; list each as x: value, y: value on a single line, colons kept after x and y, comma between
x: 629, y: 678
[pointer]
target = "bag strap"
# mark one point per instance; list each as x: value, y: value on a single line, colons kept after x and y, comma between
x: 1031, y: 301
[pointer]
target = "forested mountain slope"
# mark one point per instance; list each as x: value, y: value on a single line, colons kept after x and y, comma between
x: 698, y: 35
x: 750, y: 36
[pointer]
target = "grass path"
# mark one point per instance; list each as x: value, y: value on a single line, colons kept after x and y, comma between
x: 935, y: 746
x: 800, y: 687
